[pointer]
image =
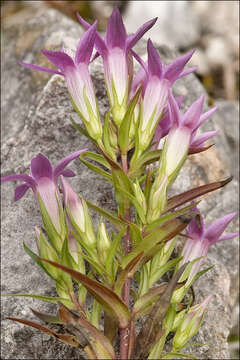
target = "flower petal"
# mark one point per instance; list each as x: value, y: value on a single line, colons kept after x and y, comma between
x: 187, y: 71
x: 228, y: 236
x: 60, y: 59
x: 40, y: 68
x: 41, y: 167
x: 154, y: 61
x: 85, y: 45
x: 207, y: 115
x: 173, y: 109
x: 191, y: 117
x: 133, y: 39
x: 64, y: 162
x: 68, y: 173
x: 116, y: 33
x: 173, y: 71
x: 202, y: 138
x: 214, y: 231
x: 20, y: 191
x: 19, y: 177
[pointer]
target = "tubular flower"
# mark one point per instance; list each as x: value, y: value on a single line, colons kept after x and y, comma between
x: 43, y: 181
x: 78, y: 79
x: 181, y: 136
x: 115, y: 50
x: 156, y: 81
x: 199, y: 239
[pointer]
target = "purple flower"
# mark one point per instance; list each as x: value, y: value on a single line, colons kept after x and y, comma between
x: 78, y: 79
x: 182, y: 133
x: 117, y: 59
x: 43, y: 181
x: 156, y: 81
x: 200, y: 238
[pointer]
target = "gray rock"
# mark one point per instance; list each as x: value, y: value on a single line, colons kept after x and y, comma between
x: 36, y: 117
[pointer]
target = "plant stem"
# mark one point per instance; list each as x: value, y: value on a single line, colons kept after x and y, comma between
x: 125, y: 333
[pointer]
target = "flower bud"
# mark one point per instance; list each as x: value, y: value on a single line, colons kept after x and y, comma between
x: 190, y: 324
x: 103, y: 242
x: 140, y: 196
x: 157, y: 200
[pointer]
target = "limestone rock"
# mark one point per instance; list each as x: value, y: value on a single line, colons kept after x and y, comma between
x: 36, y: 113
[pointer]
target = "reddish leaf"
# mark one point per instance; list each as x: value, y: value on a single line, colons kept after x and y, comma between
x: 194, y: 193
x: 106, y: 297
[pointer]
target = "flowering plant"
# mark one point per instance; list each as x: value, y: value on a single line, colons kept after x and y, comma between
x: 122, y: 272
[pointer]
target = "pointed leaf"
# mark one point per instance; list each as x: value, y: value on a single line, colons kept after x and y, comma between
x: 106, y: 297
x: 96, y: 169
x: 160, y: 271
x: 53, y: 300
x: 100, y: 344
x: 106, y: 136
x: 165, y: 232
x: 81, y: 130
x: 148, y: 157
x: 176, y: 355
x: 46, y: 317
x: 108, y: 215
x: 96, y: 157
x: 65, y: 338
x: 123, y: 135
x: 194, y: 193
x: 127, y: 273
x: 135, y: 203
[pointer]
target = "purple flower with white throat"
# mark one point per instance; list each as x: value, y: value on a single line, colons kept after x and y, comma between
x: 78, y: 79
x: 156, y: 81
x: 182, y: 133
x: 115, y: 50
x: 199, y: 240
x: 43, y: 181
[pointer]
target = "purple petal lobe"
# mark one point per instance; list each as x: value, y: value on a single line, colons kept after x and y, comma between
x: 40, y: 68
x: 207, y: 115
x: 133, y: 39
x: 41, y: 168
x: 20, y: 191
x: 192, y: 116
x: 228, y: 236
x: 19, y: 177
x: 187, y: 71
x: 215, y: 230
x: 64, y: 162
x: 83, y: 22
x: 59, y: 59
x: 154, y: 61
x: 115, y: 33
x: 173, y: 110
x: 85, y: 45
x: 68, y: 173
x: 202, y: 138
x: 173, y: 71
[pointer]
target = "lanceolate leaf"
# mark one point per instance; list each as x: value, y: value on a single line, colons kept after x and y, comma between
x: 148, y: 157
x: 135, y: 203
x: 80, y: 129
x: 165, y: 232
x: 106, y: 297
x: 108, y: 215
x: 96, y: 157
x: 123, y: 136
x: 65, y: 338
x: 194, y: 193
x: 97, y: 170
x: 53, y: 300
x: 100, y: 343
x: 47, y: 317
x: 128, y: 272
x: 176, y: 355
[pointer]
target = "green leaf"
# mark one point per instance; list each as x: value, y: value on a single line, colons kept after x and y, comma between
x: 200, y: 273
x: 136, y: 234
x: 160, y: 271
x: 166, y: 232
x: 135, y: 203
x: 128, y: 272
x: 96, y: 169
x: 106, y: 297
x: 65, y: 338
x: 100, y: 159
x: 194, y: 193
x: 108, y: 215
x: 106, y: 135
x: 168, y: 217
x: 148, y: 157
x: 174, y: 355
x: 80, y: 129
x: 123, y: 135
x: 111, y: 253
x: 50, y: 299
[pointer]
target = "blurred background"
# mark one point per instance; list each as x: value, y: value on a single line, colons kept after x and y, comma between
x: 209, y: 27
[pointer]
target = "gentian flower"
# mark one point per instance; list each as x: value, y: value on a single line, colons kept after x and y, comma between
x: 156, y: 81
x: 117, y: 60
x: 181, y: 135
x: 78, y: 79
x: 78, y: 214
x: 43, y: 181
x: 190, y: 324
x: 199, y: 240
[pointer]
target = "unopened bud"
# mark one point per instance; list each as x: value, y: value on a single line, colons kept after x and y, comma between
x: 103, y: 242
